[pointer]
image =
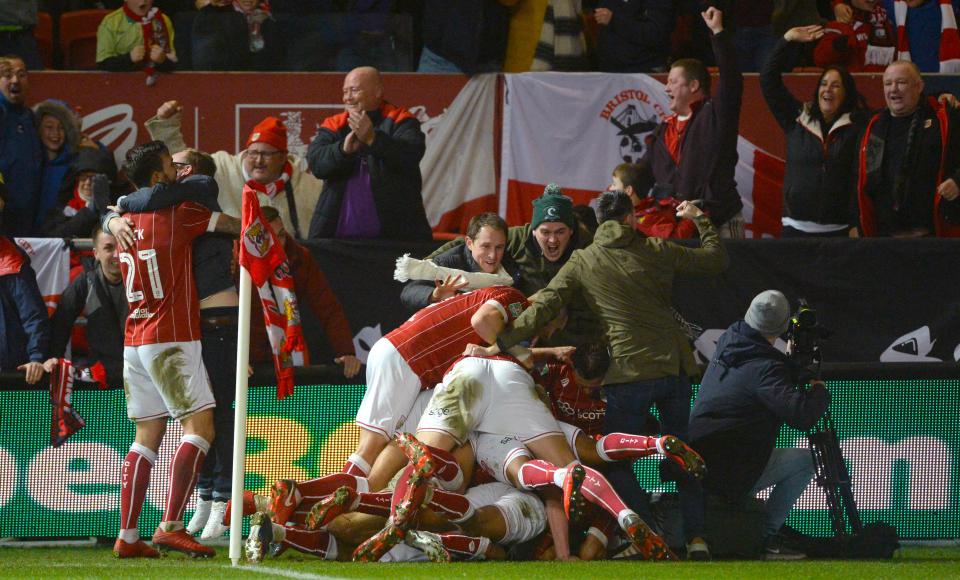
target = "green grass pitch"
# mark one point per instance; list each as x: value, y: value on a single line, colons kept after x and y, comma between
x: 97, y: 562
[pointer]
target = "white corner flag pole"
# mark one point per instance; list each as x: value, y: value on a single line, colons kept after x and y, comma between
x: 240, y: 422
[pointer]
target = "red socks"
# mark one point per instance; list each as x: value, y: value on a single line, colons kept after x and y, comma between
x: 184, y: 470
x: 453, y: 506
x: 537, y: 473
x: 134, y: 480
x: 314, y: 490
x: 619, y: 446
x: 446, y: 469
x: 465, y: 547
x: 375, y: 503
x: 356, y: 465
x: 596, y: 489
x: 316, y: 543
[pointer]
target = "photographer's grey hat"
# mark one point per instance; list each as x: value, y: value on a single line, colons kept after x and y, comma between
x: 769, y: 313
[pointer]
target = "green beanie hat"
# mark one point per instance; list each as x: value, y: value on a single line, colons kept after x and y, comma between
x: 552, y: 206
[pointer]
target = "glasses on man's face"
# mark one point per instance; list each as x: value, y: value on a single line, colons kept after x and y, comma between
x: 180, y: 166
x: 263, y: 154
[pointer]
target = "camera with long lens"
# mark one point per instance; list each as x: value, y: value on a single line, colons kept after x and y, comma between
x: 805, y: 335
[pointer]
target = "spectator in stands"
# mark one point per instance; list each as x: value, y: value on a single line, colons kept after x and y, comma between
x: 280, y: 178
x: 909, y: 172
x: 137, y: 36
x: 100, y: 297
x: 367, y: 37
x: 24, y: 326
x: 656, y: 217
x: 634, y: 36
x: 545, y: 35
x: 865, y: 42
x: 240, y: 35
x: 694, y: 152
x: 822, y: 140
x: 752, y: 23
x: 21, y: 154
x: 75, y: 213
x: 60, y: 136
x: 17, y: 19
x: 483, y: 251
x: 313, y: 290
x: 749, y: 390
x: 464, y: 36
x: 369, y: 157
x: 923, y: 29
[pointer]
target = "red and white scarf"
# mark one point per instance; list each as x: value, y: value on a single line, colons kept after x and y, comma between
x: 949, y: 39
x: 262, y: 255
x: 154, y: 28
x: 272, y: 189
x: 65, y: 420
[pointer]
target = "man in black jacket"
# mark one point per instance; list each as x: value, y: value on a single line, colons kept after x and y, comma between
x: 747, y: 393
x: 369, y: 158
x: 98, y: 294
x: 634, y: 35
x: 694, y: 152
x: 483, y: 251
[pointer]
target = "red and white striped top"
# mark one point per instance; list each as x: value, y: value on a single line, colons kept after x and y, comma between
x: 158, y: 274
x: 436, y: 336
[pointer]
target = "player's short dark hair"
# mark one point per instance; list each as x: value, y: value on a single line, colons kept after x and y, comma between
x: 269, y: 213
x: 201, y: 161
x: 636, y: 175
x: 613, y: 205
x: 693, y: 70
x: 591, y: 360
x: 143, y: 160
x: 488, y: 219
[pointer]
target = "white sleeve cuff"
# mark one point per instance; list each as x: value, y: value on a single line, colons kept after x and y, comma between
x: 500, y: 309
x: 214, y: 218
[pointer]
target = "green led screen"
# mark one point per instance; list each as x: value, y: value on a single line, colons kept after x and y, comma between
x: 901, y: 440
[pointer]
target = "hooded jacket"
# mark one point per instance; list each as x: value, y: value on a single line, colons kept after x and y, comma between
x: 746, y: 395
x: 626, y: 280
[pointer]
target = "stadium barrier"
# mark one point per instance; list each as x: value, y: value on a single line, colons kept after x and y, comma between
x: 897, y: 424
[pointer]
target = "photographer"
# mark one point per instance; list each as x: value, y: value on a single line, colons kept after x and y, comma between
x: 749, y: 390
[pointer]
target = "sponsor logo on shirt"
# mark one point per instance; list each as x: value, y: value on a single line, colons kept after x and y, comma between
x: 142, y: 313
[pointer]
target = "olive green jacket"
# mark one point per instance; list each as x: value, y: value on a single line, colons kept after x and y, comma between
x: 536, y: 272
x: 626, y: 280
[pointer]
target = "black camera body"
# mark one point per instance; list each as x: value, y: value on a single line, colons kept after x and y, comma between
x: 805, y: 335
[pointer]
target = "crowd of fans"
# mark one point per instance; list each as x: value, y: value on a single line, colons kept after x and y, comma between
x: 472, y: 36
x: 361, y: 179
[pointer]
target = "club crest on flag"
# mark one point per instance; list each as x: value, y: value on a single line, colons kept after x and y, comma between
x: 634, y: 117
x: 256, y: 239
x: 516, y: 309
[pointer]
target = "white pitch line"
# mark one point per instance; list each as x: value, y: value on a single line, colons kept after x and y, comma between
x: 284, y: 573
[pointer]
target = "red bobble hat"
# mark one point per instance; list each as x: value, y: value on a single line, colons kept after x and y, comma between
x: 271, y: 131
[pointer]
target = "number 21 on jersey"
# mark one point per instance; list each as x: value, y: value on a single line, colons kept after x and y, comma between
x: 153, y: 273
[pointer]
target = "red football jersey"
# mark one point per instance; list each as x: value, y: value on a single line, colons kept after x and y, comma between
x: 435, y: 336
x: 158, y: 275
x: 570, y: 402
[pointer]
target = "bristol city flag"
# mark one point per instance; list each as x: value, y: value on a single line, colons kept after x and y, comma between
x: 262, y: 255
x: 573, y: 129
